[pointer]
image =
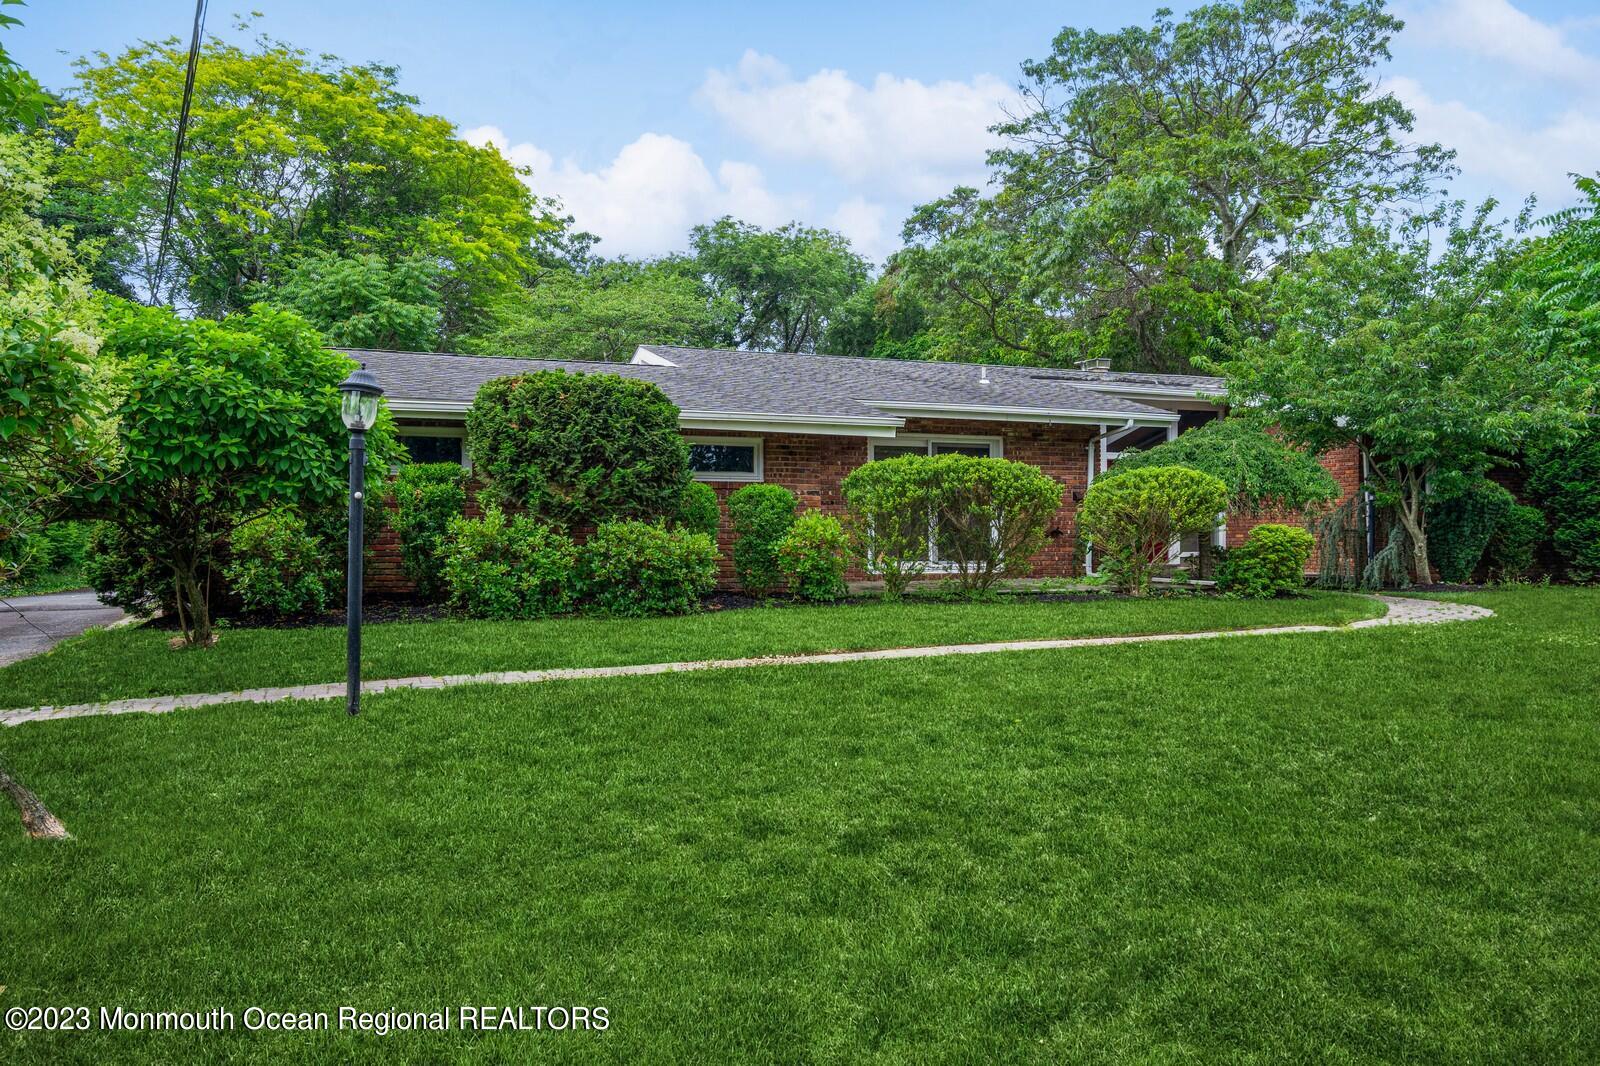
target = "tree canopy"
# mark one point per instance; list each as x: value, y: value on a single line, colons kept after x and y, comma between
x: 287, y: 154
x: 1262, y: 473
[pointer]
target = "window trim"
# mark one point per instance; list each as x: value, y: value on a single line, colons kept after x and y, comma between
x: 756, y: 443
x: 459, y: 432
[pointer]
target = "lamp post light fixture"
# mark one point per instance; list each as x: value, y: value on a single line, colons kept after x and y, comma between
x: 358, y: 406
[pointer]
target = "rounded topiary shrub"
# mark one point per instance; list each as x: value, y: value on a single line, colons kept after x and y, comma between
x: 762, y: 515
x: 1270, y: 562
x: 698, y: 510
x: 991, y: 515
x: 579, y: 449
x: 426, y: 497
x: 640, y: 568
x: 276, y: 567
x: 889, y: 504
x: 499, y: 567
x: 1131, y: 517
x: 812, y: 557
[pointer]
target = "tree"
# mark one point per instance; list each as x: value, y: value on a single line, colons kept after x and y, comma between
x: 1407, y: 341
x: 287, y: 154
x: 1133, y: 516
x: 603, y: 314
x: 1261, y: 471
x: 54, y: 437
x: 220, y: 423
x: 22, y: 102
x: 362, y: 301
x: 1152, y: 175
x: 782, y: 286
x: 1561, y: 273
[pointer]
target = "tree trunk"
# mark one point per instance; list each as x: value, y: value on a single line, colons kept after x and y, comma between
x: 196, y: 621
x: 37, y: 820
x: 1413, y: 500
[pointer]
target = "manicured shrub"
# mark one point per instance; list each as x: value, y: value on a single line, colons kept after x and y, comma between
x: 1515, y: 542
x: 518, y: 567
x: 640, y: 568
x: 426, y: 497
x: 1270, y: 562
x: 812, y: 557
x: 1131, y: 517
x: 890, y: 505
x: 579, y: 449
x: 698, y: 510
x: 991, y: 516
x: 762, y: 515
x: 1463, y: 511
x: 1565, y: 482
x: 276, y: 567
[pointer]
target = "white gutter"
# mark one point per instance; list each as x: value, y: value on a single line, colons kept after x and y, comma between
x: 1046, y: 415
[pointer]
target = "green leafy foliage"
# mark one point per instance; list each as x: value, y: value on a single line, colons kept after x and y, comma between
x: 1261, y: 471
x: 1463, y: 513
x: 1515, y: 543
x: 1271, y: 562
x: 641, y: 568
x: 579, y: 449
x: 781, y: 288
x: 1130, y: 517
x: 427, y: 497
x: 991, y: 516
x: 698, y: 510
x: 1408, y: 342
x: 1565, y: 480
x: 602, y: 313
x: 362, y: 301
x: 761, y: 515
x: 518, y: 567
x: 219, y: 423
x: 277, y: 568
x: 889, y: 506
x: 813, y: 556
x: 288, y: 153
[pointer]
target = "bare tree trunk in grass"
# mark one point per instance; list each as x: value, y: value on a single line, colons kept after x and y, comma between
x: 37, y: 820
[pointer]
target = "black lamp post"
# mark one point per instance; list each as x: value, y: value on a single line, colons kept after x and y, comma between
x: 359, y: 409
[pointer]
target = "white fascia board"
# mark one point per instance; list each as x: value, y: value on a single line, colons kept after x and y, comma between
x: 1048, y: 416
x: 823, y: 425
x: 1149, y: 392
x: 429, y: 408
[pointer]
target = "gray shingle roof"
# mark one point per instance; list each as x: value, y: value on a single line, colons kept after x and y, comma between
x: 779, y: 384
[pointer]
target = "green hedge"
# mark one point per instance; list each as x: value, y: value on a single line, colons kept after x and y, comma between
x: 495, y: 567
x: 698, y: 510
x: 1130, y: 517
x: 276, y: 567
x: 1565, y: 482
x: 427, y: 496
x: 991, y: 516
x: 639, y: 568
x: 889, y: 504
x: 1463, y: 511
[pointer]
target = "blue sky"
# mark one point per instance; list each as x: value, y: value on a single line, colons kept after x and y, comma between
x: 647, y: 118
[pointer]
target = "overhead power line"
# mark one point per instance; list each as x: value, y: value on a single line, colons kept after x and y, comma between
x: 177, y: 146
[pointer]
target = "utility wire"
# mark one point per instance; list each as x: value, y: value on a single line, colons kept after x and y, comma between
x: 177, y: 144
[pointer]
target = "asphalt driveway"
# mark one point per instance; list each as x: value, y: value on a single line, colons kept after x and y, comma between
x: 33, y: 624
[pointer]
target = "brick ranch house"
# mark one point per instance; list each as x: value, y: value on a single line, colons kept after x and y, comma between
x: 804, y: 421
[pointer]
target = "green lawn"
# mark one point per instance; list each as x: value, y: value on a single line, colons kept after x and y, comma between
x: 1377, y: 845
x: 137, y: 662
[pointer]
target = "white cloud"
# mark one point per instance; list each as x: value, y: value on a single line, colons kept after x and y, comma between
x: 916, y: 138
x: 1498, y: 30
x: 646, y: 199
x: 1508, y: 159
x: 868, y: 227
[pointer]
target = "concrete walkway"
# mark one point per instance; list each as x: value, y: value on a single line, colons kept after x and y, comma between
x: 1400, y: 611
x: 30, y: 625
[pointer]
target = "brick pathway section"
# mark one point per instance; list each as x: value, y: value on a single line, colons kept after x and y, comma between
x: 1401, y: 611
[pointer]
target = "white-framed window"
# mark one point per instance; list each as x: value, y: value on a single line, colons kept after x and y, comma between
x: 986, y: 447
x: 725, y: 458
x: 435, y: 444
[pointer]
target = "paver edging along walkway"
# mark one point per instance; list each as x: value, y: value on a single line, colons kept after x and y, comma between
x: 1400, y: 610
